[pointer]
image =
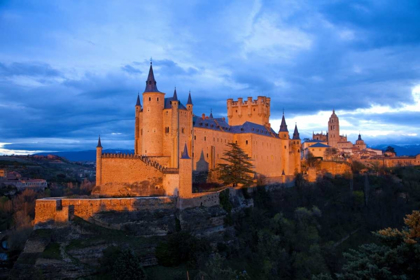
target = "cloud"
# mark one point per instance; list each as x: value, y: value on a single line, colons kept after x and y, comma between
x: 358, y: 58
x: 130, y: 69
x: 28, y: 69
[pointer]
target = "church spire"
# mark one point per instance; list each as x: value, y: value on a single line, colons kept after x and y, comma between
x: 211, y: 113
x: 283, y: 126
x: 189, y: 102
x: 151, y: 82
x: 296, y: 135
x: 99, y: 142
x: 175, y: 97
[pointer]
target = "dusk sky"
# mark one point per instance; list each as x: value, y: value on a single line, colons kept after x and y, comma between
x: 71, y: 70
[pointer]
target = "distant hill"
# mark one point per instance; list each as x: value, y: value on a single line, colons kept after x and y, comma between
x: 401, y: 150
x: 89, y: 155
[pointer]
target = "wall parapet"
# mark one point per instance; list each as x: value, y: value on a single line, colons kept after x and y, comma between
x: 60, y: 210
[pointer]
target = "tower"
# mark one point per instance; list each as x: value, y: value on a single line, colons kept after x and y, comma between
x: 185, y: 175
x: 175, y: 130
x: 137, y: 129
x: 255, y: 111
x: 99, y: 162
x: 152, y: 118
x: 333, y: 130
x: 284, y: 148
x: 190, y: 117
x: 295, y: 152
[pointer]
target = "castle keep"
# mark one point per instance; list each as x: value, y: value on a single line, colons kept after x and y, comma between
x: 171, y: 143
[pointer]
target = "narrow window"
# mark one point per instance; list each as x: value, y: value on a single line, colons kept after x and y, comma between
x: 246, y: 142
x: 182, y: 130
x: 205, y: 138
x: 195, y: 137
x: 157, y: 99
x: 167, y: 129
x: 150, y: 99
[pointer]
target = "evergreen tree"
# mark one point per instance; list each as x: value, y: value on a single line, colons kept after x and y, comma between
x: 237, y: 170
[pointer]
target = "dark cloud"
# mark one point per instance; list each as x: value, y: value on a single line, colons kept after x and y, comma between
x: 130, y: 69
x: 28, y: 69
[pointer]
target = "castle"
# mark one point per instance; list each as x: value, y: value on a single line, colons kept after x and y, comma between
x: 320, y: 143
x: 171, y: 143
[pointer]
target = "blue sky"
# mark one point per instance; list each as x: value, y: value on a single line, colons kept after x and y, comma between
x: 70, y: 70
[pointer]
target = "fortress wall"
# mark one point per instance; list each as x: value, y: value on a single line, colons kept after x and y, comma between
x: 216, y: 139
x: 127, y: 170
x: 199, y: 199
x: 335, y: 168
x: 46, y: 208
x: 171, y: 184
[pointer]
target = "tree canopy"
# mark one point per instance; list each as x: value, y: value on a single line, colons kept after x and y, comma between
x: 238, y: 168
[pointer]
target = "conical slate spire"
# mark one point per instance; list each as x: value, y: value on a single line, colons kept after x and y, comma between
x: 283, y: 126
x: 151, y: 82
x: 138, y: 100
x: 360, y: 137
x: 296, y: 133
x: 175, y: 97
x: 211, y: 113
x: 185, y: 153
x: 189, y: 102
x: 99, y: 142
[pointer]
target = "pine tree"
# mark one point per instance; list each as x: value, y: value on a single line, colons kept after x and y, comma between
x: 238, y: 169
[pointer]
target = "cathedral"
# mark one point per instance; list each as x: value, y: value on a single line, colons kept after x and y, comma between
x: 171, y: 144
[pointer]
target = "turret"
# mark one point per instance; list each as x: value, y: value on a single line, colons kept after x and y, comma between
x: 254, y: 111
x: 189, y: 102
x: 185, y: 175
x: 152, y: 118
x: 295, y: 166
x: 137, y: 132
x: 99, y: 162
x: 283, y: 132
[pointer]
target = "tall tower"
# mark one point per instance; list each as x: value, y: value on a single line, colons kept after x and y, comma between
x: 190, y: 117
x: 137, y: 131
x: 295, y: 152
x: 153, y: 104
x: 255, y: 111
x: 284, y: 148
x: 333, y: 130
x: 99, y: 162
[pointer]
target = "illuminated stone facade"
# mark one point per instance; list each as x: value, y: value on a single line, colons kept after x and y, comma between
x: 171, y: 143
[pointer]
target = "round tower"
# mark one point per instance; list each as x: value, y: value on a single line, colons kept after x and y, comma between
x: 333, y: 130
x: 99, y: 162
x: 152, y: 126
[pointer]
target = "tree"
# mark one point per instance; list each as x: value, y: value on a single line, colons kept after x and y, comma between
x: 237, y: 170
x: 331, y: 153
x: 396, y: 258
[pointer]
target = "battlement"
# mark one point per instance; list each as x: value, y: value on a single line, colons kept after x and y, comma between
x: 255, y: 111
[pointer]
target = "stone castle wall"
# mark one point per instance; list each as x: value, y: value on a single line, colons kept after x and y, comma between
x: 60, y: 210
x: 335, y: 168
x: 130, y: 176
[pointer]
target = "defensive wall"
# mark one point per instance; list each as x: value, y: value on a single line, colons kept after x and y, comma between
x: 333, y: 168
x: 120, y: 175
x: 60, y: 210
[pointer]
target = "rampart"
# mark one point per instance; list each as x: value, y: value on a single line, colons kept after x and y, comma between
x: 133, y: 175
x: 60, y: 210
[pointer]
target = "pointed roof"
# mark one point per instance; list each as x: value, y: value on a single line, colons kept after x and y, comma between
x: 99, y: 142
x: 185, y: 153
x: 211, y: 113
x: 189, y: 102
x: 175, y: 97
x: 151, y: 82
x: 296, y: 133
x: 138, y: 100
x: 283, y: 126
x: 360, y: 137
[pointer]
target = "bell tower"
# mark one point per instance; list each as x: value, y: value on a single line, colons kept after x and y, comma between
x: 333, y: 130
